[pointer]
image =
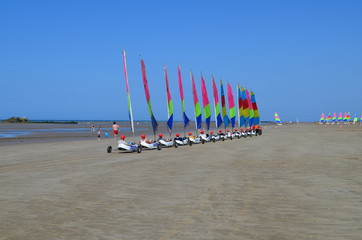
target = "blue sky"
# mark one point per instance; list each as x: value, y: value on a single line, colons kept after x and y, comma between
x: 63, y: 59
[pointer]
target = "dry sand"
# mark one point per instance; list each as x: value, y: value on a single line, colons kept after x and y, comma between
x: 293, y: 182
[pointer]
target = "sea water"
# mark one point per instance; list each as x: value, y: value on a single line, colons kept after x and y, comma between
x: 11, y: 133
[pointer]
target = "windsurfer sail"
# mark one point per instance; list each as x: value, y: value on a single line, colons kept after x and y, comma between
x: 169, y: 103
x: 184, y: 116
x: 206, y: 103
x: 148, y: 98
x: 130, y: 115
x: 197, y: 108
x: 277, y: 119
x: 223, y: 105
x: 218, y: 119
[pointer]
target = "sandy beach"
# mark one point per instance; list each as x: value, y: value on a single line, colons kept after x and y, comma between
x: 293, y: 182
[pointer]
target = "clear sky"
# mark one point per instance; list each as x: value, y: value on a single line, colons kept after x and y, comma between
x: 63, y: 59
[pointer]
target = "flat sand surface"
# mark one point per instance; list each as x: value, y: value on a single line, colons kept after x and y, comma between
x: 293, y: 182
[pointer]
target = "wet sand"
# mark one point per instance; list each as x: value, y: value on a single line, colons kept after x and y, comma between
x: 293, y: 182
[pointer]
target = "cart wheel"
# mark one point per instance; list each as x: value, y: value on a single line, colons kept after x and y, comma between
x: 231, y: 138
x: 190, y: 143
x: 238, y: 136
x: 175, y: 144
x: 213, y: 139
x: 139, y: 149
x: 223, y: 139
x: 159, y: 147
x: 203, y: 141
x: 109, y: 149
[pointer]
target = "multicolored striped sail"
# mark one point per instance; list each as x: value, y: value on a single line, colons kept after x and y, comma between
x: 205, y: 103
x: 148, y: 98
x: 277, y: 119
x: 328, y: 119
x: 255, y: 108
x: 232, y: 110
x: 340, y: 117
x: 197, y: 108
x: 169, y: 103
x: 223, y: 106
x: 130, y: 115
x: 218, y: 119
x: 321, y: 120
x: 348, y: 116
x: 251, y: 110
x: 184, y: 116
x: 245, y: 113
x: 334, y: 117
x: 345, y: 117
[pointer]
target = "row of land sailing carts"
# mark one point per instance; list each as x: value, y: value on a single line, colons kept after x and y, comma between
x: 124, y: 146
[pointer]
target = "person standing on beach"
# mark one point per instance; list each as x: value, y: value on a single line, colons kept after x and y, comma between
x: 115, y: 128
x: 106, y: 134
x: 99, y: 133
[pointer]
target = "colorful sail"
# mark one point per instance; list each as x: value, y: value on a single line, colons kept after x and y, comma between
x: 232, y: 110
x: 340, y: 117
x: 169, y: 102
x: 251, y: 110
x: 130, y: 115
x: 184, y: 116
x: 355, y: 119
x: 223, y: 106
x: 245, y: 115
x: 334, y: 118
x: 240, y: 106
x: 345, y: 117
x: 321, y: 120
x: 148, y: 97
x: 255, y: 109
x: 197, y: 107
x: 206, y: 103
x: 218, y: 119
x: 277, y: 119
x: 328, y: 119
x: 348, y: 116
